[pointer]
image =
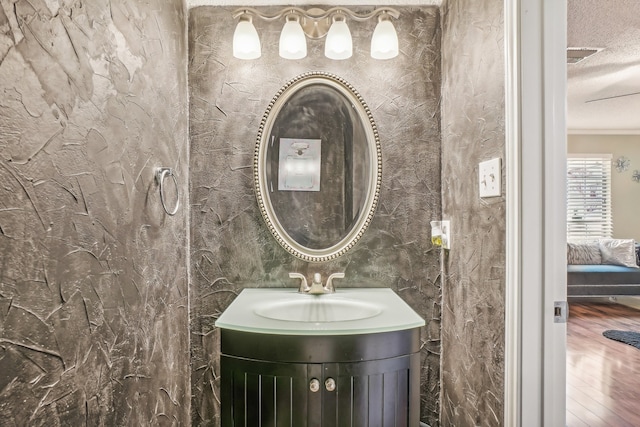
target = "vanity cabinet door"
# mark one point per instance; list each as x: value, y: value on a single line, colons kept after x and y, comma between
x: 267, y: 394
x: 373, y: 393
x: 381, y: 393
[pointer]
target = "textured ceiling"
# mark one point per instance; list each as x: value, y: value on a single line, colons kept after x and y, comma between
x: 604, y: 89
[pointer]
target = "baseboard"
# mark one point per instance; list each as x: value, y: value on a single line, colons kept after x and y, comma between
x: 633, y: 302
x: 629, y: 301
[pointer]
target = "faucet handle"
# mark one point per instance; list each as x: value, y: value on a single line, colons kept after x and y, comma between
x: 329, y: 286
x: 303, y: 281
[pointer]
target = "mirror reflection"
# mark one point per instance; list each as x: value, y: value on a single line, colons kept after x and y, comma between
x: 318, y: 167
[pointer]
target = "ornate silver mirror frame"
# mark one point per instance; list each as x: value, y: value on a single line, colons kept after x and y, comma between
x: 265, y: 168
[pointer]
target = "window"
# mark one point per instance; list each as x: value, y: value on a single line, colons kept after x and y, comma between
x: 589, y: 196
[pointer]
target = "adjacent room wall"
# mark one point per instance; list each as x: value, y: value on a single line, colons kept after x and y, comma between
x: 625, y: 192
x: 93, y: 273
x: 232, y: 248
x: 473, y: 130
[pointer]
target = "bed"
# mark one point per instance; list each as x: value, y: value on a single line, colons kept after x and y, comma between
x: 603, y: 268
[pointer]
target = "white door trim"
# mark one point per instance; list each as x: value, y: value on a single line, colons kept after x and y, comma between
x: 535, y: 97
x: 555, y: 207
x: 513, y: 321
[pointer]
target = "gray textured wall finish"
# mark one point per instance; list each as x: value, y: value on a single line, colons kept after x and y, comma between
x: 232, y: 248
x: 93, y: 274
x: 473, y: 291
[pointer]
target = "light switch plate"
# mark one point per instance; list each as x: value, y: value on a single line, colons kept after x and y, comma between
x: 490, y: 177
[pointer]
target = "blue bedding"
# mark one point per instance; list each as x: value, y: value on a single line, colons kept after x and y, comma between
x: 602, y: 280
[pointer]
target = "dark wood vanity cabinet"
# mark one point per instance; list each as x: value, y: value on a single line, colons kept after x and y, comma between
x: 320, y: 381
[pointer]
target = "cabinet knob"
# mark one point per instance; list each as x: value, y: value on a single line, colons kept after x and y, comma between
x: 314, y: 385
x: 330, y: 384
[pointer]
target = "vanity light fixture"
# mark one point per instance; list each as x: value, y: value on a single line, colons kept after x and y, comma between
x: 293, y: 43
x: 384, y: 42
x: 339, y: 44
x: 246, y: 43
x: 315, y: 24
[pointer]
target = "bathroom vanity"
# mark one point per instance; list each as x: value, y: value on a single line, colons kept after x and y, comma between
x: 345, y: 359
x: 314, y: 356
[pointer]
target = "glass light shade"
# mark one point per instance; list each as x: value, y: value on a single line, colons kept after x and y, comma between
x: 338, y: 44
x: 384, y: 42
x: 293, y: 43
x: 246, y: 43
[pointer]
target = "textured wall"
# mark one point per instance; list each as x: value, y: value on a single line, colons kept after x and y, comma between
x: 473, y: 289
x: 231, y: 247
x: 93, y: 274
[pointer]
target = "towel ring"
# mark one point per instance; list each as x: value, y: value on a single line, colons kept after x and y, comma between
x: 161, y: 174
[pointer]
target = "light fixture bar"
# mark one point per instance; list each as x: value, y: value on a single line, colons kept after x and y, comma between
x: 317, y: 14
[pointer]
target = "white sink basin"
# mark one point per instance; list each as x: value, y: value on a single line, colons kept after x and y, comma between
x: 348, y: 311
x: 319, y: 308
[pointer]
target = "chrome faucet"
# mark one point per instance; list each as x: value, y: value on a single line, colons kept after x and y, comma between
x: 316, y: 287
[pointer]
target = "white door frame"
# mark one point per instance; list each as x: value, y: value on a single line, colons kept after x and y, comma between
x: 535, y: 121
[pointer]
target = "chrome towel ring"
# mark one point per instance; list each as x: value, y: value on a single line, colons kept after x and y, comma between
x: 161, y: 174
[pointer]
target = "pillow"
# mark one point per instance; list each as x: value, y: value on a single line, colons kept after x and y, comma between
x: 618, y: 252
x: 584, y: 253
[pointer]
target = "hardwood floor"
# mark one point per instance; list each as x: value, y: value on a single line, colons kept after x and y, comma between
x: 603, y: 376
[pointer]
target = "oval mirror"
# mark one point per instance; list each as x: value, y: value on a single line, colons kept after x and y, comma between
x: 317, y: 166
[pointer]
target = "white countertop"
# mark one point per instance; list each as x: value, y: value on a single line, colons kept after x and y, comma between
x: 348, y: 311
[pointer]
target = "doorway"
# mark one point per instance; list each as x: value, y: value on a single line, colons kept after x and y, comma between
x: 602, y: 103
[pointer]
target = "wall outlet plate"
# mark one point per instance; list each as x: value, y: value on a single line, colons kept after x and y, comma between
x: 446, y: 234
x: 490, y: 178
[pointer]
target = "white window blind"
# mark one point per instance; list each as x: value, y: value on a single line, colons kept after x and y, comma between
x: 589, y: 196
